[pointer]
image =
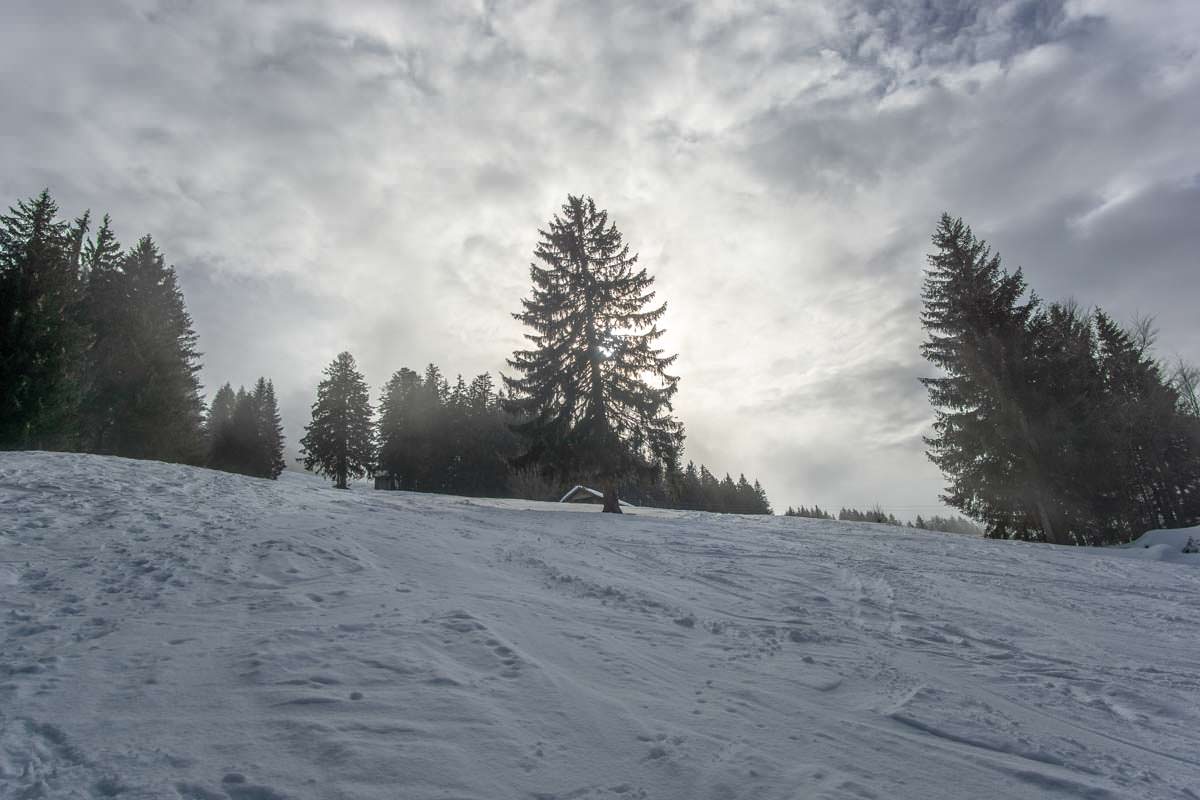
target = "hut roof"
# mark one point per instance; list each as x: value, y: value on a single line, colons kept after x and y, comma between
x: 586, y: 494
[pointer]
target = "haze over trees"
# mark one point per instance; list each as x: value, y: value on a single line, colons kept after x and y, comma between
x: 142, y: 392
x: 699, y: 489
x: 582, y: 393
x: 1052, y: 423
x: 97, y: 351
x: 435, y: 437
x: 245, y: 433
x: 340, y: 440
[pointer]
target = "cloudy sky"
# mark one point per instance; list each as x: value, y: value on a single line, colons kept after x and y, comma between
x: 371, y: 176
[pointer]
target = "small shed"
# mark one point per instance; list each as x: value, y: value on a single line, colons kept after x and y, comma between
x: 586, y: 494
x: 386, y: 480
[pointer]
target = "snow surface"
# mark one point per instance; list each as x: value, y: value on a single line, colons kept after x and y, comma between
x: 169, y: 632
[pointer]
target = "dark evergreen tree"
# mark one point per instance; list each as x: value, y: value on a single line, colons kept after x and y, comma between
x: 222, y: 443
x: 436, y: 438
x: 156, y: 409
x: 399, y: 435
x: 975, y: 319
x: 948, y: 525
x: 692, y: 493
x: 96, y: 348
x: 269, y: 461
x: 106, y: 305
x: 727, y: 498
x: 761, y: 504
x: 1051, y: 423
x: 244, y: 429
x: 710, y: 490
x: 582, y: 392
x: 1148, y: 475
x: 41, y: 335
x: 876, y: 515
x: 490, y: 442
x: 245, y: 432
x: 1061, y: 431
x: 815, y: 512
x: 697, y: 490
x: 340, y: 441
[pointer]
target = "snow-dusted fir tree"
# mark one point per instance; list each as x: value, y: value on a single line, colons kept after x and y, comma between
x: 340, y: 441
x: 584, y: 394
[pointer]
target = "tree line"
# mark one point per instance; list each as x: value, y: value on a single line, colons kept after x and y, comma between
x: 696, y: 489
x: 442, y: 438
x: 245, y: 431
x: 934, y: 523
x: 433, y: 436
x: 97, y: 351
x: 589, y: 400
x: 1052, y: 422
x: 98, y: 354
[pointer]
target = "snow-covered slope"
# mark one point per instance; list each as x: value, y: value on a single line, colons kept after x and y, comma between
x: 168, y: 632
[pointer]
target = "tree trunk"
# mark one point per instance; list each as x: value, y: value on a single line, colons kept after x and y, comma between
x: 1048, y: 529
x: 612, y: 504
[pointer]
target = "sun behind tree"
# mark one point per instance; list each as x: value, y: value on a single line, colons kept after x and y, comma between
x: 583, y: 396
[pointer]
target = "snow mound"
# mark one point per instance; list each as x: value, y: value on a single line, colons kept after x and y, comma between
x: 169, y: 632
x: 1181, y: 545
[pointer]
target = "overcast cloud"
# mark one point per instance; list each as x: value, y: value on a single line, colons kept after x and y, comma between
x: 371, y: 176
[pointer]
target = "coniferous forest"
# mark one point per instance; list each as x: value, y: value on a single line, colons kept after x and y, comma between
x: 97, y: 351
x: 1051, y: 422
x: 245, y: 432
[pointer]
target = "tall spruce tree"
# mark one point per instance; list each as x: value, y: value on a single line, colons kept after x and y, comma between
x: 340, y: 440
x: 41, y: 335
x: 106, y: 305
x: 245, y: 432
x: 399, y: 436
x: 1051, y: 422
x: 269, y: 461
x: 156, y: 409
x: 435, y: 438
x: 583, y: 397
x: 1149, y: 475
x: 975, y: 319
x: 222, y: 443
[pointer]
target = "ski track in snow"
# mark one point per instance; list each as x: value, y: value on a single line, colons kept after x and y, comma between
x: 169, y: 632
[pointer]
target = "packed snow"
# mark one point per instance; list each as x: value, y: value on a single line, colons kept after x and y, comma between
x: 170, y: 632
